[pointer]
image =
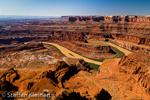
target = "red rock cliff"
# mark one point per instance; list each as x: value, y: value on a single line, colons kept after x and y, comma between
x: 110, y: 18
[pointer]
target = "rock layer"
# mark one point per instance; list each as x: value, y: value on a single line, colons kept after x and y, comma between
x: 99, y: 51
x: 111, y: 18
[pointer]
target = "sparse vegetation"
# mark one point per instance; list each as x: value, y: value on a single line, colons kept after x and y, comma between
x: 94, y: 66
x: 71, y: 54
x: 119, y: 53
x: 54, y: 47
x: 99, y: 60
x: 120, y: 46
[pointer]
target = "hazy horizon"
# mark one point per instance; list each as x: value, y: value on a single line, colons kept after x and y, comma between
x: 59, y: 8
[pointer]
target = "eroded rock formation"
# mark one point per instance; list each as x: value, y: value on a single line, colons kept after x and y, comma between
x: 111, y: 18
x: 133, y: 70
x: 6, y: 49
x: 121, y: 78
x: 29, y: 55
x: 99, y: 51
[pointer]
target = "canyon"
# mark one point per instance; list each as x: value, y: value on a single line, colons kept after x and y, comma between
x: 131, y: 31
x: 121, y: 78
x: 32, y: 58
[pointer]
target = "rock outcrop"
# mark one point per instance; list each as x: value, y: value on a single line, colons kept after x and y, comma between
x: 54, y: 79
x: 6, y: 49
x: 129, y: 46
x: 133, y: 70
x: 137, y: 65
x: 41, y: 35
x: 10, y: 75
x: 37, y: 56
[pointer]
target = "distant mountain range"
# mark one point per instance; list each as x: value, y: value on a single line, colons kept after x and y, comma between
x: 24, y: 17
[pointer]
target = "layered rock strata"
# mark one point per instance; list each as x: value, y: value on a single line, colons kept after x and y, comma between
x: 129, y: 46
x: 99, y: 51
x: 110, y: 18
x: 6, y: 49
